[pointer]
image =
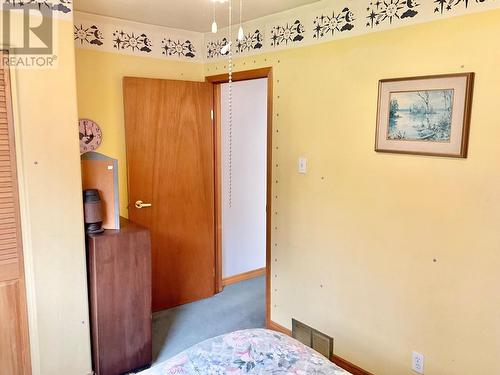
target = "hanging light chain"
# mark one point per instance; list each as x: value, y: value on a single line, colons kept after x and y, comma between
x: 230, y: 64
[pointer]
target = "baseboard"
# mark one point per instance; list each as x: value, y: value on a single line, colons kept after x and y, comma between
x: 243, y: 276
x: 279, y: 328
x: 346, y: 365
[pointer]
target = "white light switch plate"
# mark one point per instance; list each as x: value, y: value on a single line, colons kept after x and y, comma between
x: 302, y: 165
x: 417, y: 362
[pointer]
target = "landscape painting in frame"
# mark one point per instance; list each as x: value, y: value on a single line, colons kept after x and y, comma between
x: 425, y: 115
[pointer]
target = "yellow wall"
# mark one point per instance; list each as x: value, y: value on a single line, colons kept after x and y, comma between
x: 356, y: 236
x: 45, y: 115
x: 100, y: 96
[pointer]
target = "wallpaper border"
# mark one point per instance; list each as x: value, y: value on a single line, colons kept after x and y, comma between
x: 315, y: 23
x: 330, y: 20
x: 61, y: 9
x: 109, y: 34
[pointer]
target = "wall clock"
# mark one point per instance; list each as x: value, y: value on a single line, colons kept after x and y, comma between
x: 90, y: 135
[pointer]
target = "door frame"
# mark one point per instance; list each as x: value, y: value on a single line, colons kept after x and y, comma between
x: 217, y: 80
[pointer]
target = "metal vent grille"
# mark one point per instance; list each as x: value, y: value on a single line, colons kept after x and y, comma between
x: 312, y: 338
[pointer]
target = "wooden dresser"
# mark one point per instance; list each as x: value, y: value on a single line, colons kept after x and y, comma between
x: 119, y: 268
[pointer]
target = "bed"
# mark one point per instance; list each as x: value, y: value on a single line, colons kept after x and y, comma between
x: 252, y: 351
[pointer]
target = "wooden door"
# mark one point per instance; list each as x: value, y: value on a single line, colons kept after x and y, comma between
x: 14, y: 342
x: 170, y: 163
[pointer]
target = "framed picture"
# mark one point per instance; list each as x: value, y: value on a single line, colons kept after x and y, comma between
x: 425, y: 115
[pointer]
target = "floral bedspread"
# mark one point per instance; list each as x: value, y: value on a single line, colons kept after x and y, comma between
x: 252, y: 351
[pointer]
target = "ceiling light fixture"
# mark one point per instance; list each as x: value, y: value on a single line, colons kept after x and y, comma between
x: 214, y: 24
x: 241, y: 34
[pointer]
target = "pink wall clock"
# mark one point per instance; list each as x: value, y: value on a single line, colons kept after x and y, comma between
x: 90, y: 135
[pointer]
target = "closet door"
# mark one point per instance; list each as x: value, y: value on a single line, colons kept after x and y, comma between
x: 14, y: 342
x: 170, y: 164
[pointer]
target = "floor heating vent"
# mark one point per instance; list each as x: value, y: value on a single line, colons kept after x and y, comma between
x: 313, y: 338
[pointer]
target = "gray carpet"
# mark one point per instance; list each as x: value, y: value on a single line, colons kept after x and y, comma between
x: 239, y: 306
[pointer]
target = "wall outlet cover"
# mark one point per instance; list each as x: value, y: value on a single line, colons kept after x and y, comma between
x: 417, y: 362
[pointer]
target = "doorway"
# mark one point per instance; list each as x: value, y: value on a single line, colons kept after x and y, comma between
x: 244, y: 302
x: 243, y: 179
x: 264, y: 75
x: 174, y: 164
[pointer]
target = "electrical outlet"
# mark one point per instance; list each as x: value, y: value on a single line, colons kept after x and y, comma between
x: 417, y: 362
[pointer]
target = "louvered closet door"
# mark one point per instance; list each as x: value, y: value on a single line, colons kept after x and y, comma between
x: 14, y: 345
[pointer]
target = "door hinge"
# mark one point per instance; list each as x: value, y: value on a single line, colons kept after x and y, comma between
x: 212, y: 114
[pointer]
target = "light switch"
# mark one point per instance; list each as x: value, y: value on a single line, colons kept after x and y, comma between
x: 302, y: 165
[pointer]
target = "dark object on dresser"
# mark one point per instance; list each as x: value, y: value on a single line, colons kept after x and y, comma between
x: 119, y: 268
x: 92, y: 205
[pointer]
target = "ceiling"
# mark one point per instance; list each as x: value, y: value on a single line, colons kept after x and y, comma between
x: 193, y: 15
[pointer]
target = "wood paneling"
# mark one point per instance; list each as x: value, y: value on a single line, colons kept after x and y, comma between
x: 14, y: 341
x: 170, y: 158
x: 120, y: 299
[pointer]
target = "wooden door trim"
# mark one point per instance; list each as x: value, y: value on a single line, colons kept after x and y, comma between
x: 245, y: 75
x: 217, y: 80
x: 218, y: 188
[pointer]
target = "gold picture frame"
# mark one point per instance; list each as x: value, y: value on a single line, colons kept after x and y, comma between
x: 428, y: 115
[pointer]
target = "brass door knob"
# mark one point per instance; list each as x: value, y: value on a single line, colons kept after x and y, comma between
x: 141, y: 204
